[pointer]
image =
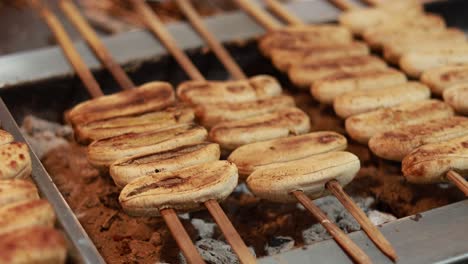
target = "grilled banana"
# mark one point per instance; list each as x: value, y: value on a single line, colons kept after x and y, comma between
x: 15, y: 161
x: 327, y: 89
x: 393, y: 52
x: 305, y: 74
x: 457, y: 97
x: 248, y: 157
x: 301, y: 36
x: 211, y: 92
x: 284, y: 58
x: 184, y: 190
x: 25, y: 214
x: 126, y: 170
x: 211, y: 114
x: 149, y: 97
x: 363, y: 126
x: 429, y: 163
x: 5, y: 137
x: 103, y: 152
x: 275, y: 182
x: 285, y: 122
x: 361, y: 101
x: 441, y: 78
x: 15, y: 190
x: 134, y: 124
x: 396, y: 144
x: 415, y: 63
x: 38, y: 245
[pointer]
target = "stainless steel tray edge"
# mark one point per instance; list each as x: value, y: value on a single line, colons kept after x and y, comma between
x: 77, y: 236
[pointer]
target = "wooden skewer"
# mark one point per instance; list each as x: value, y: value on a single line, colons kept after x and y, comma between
x: 218, y: 49
x: 340, y: 237
x: 277, y: 8
x: 230, y: 233
x: 372, y: 2
x: 157, y: 27
x: 458, y: 180
x: 335, y: 188
x: 96, y: 45
x: 344, y: 5
x: 262, y: 18
x: 68, y: 49
x: 371, y: 230
x: 181, y: 237
x: 169, y: 215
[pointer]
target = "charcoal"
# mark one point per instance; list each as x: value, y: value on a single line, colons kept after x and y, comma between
x: 215, y: 252
x: 205, y: 229
x: 279, y: 244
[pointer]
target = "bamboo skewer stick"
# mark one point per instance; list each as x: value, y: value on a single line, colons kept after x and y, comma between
x: 344, y: 5
x: 340, y: 237
x: 217, y: 47
x: 371, y: 230
x: 459, y: 181
x: 157, y: 27
x: 181, y: 237
x: 277, y: 8
x: 335, y: 188
x: 170, y: 216
x: 95, y: 43
x: 230, y: 233
x: 261, y: 17
x: 68, y: 49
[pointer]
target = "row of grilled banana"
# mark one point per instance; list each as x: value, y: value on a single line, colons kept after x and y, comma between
x: 380, y: 106
x: 27, y: 233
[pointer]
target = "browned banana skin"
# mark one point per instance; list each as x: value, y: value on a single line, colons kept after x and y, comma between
x: 396, y: 144
x: 149, y: 97
x: 430, y: 163
x: 210, y: 115
x: 33, y: 245
x: 285, y: 122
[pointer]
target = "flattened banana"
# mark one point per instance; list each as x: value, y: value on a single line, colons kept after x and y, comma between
x: 315, y: 35
x: 429, y: 163
x: 363, y: 126
x: 15, y: 161
x: 102, y: 153
x: 20, y: 215
x: 327, y: 89
x: 211, y: 114
x: 304, y: 74
x: 15, y: 190
x: 149, y: 97
x: 379, y: 39
x: 211, y: 92
x: 394, y: 51
x: 276, y: 182
x: 396, y: 144
x: 417, y: 62
x: 441, y: 78
x: 36, y: 244
x: 126, y: 170
x: 362, y: 101
x: 457, y: 97
x: 5, y: 137
x: 248, y: 157
x: 134, y: 124
x: 184, y: 190
x: 285, y: 122
x: 283, y: 59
